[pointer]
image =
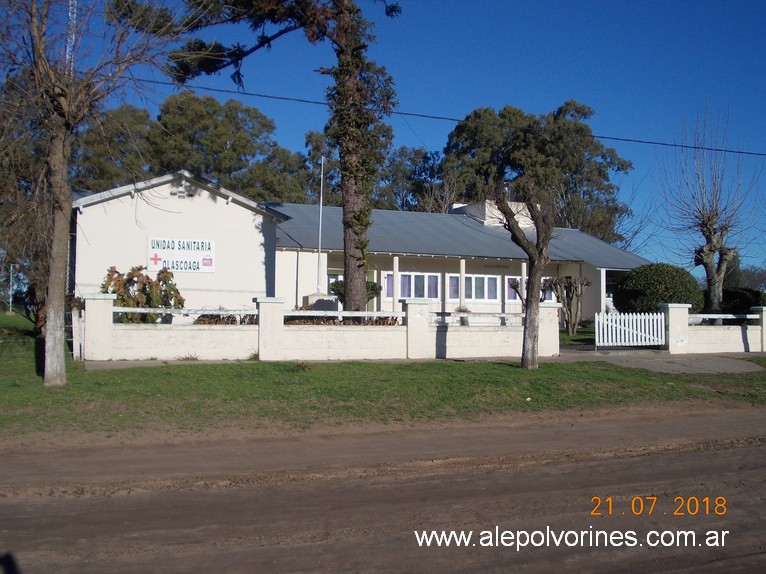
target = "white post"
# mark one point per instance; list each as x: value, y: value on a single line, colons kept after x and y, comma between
x: 419, y: 344
x: 548, y: 340
x: 99, y: 323
x: 762, y: 321
x: 271, y: 325
x: 676, y: 327
x: 395, y: 279
x: 462, y: 284
x: 319, y: 249
x: 523, y: 286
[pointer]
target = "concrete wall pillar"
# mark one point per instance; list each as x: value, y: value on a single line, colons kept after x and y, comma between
x: 419, y: 343
x: 271, y: 326
x: 676, y: 327
x: 97, y: 339
x: 548, y: 339
x: 762, y: 322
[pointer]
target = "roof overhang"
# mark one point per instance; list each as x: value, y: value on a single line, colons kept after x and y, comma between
x: 180, y: 179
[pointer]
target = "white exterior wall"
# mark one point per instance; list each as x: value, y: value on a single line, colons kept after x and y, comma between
x: 594, y: 299
x: 296, y: 276
x: 444, y: 267
x: 116, y: 232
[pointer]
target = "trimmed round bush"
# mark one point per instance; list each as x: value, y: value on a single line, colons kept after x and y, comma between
x: 646, y: 287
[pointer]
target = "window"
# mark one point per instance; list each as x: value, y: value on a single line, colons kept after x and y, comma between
x: 476, y: 288
x: 413, y: 285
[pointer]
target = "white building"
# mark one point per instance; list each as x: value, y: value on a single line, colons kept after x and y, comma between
x: 225, y: 249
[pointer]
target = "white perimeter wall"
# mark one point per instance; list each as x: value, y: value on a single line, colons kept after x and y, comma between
x: 724, y: 339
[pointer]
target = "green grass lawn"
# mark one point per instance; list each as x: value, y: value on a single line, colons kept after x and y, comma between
x: 584, y: 336
x: 199, y: 396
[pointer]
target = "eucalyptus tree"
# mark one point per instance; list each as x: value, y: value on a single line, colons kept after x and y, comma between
x: 533, y: 156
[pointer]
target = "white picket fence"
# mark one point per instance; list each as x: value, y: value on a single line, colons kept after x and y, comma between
x: 630, y: 329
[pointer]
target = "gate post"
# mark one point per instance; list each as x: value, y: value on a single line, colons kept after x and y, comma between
x: 271, y: 326
x: 676, y: 327
x: 97, y: 339
x: 761, y: 311
x: 419, y: 344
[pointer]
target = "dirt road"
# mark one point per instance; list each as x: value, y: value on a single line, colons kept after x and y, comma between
x: 351, y: 500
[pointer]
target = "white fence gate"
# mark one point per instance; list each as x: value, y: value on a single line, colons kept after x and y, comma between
x: 630, y: 329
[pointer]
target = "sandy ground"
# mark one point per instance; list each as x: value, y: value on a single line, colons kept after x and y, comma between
x: 351, y: 499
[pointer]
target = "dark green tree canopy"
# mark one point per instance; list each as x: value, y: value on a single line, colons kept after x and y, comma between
x: 535, y: 161
x: 488, y: 151
x: 362, y: 93
x: 230, y: 144
x: 113, y: 149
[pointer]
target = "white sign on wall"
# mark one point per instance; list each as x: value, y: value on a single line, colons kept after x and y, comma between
x: 181, y: 255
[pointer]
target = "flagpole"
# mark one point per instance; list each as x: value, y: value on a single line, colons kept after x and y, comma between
x: 319, y: 250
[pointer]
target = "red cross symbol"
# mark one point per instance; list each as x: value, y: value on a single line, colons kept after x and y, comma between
x: 156, y: 259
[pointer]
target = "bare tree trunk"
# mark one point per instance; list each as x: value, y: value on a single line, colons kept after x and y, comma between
x: 55, y: 338
x: 531, y: 345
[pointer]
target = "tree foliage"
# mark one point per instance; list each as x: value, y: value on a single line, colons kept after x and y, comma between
x: 136, y: 289
x: 539, y: 159
x: 26, y: 215
x: 754, y: 277
x: 360, y: 96
x: 229, y: 144
x: 582, y: 197
x: 113, y: 149
x: 338, y: 288
x: 569, y: 292
x: 646, y: 287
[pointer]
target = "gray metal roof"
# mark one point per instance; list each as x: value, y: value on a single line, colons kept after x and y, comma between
x: 436, y: 234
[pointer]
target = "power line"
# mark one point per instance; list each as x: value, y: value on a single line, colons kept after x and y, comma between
x: 455, y: 120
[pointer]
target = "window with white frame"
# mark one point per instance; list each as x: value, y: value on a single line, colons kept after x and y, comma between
x: 476, y: 288
x: 413, y: 285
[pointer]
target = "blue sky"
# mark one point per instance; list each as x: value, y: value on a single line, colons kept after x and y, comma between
x: 644, y: 67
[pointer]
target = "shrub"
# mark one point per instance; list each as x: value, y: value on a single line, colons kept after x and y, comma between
x: 338, y: 288
x: 739, y: 301
x: 137, y: 289
x: 646, y: 287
